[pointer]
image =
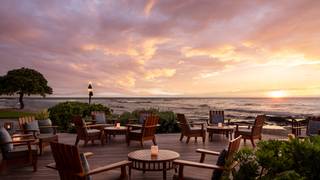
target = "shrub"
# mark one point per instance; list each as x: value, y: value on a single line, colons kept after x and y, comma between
x: 62, y: 113
x: 42, y: 115
x: 167, y: 119
x: 294, y: 159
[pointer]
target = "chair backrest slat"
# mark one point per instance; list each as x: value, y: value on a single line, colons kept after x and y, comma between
x: 216, y: 116
x: 313, y: 126
x: 258, y: 124
x: 150, y: 125
x: 80, y: 126
x: 183, y: 122
x: 67, y: 160
x: 24, y: 120
x: 234, y: 146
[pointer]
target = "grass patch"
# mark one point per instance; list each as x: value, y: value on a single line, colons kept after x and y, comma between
x: 13, y: 113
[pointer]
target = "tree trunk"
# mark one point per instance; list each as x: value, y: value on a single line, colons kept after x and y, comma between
x: 21, y: 100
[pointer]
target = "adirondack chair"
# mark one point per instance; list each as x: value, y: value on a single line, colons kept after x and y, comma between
x: 253, y: 132
x: 187, y: 130
x: 224, y: 156
x: 26, y: 154
x: 147, y: 131
x: 217, y: 116
x: 312, y: 127
x: 28, y: 125
x: 73, y: 165
x: 87, y: 132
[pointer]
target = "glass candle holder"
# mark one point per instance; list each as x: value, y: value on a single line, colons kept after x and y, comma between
x: 219, y: 124
x: 154, y: 150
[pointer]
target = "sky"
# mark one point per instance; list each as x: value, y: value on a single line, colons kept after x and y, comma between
x: 166, y: 47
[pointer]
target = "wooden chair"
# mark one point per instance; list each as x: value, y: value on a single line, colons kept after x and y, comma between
x: 147, y: 131
x: 44, y: 138
x: 253, y: 133
x: 12, y: 156
x: 187, y: 130
x: 217, y: 116
x: 311, y: 126
x: 226, y: 156
x: 74, y: 166
x: 87, y: 132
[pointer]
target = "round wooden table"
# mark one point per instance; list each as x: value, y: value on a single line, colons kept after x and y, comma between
x: 143, y: 161
x: 108, y: 131
x: 227, y: 130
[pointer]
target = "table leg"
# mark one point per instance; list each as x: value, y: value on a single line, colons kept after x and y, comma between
x: 164, y: 166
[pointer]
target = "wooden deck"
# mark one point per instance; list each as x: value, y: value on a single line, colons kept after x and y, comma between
x: 117, y: 150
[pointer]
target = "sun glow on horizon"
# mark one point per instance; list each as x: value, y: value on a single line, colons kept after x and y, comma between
x: 277, y: 94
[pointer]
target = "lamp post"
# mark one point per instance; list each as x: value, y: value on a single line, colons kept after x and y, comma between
x: 90, y: 91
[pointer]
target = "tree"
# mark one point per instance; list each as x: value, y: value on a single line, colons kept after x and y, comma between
x: 24, y: 81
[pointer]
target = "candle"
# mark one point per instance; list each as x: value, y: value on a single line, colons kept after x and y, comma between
x: 219, y: 124
x: 154, y: 150
x: 118, y: 125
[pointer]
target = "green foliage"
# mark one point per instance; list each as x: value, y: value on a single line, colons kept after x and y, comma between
x: 294, y: 159
x: 13, y: 114
x: 24, y: 81
x: 248, y: 165
x: 62, y: 113
x: 27, y: 81
x: 42, y: 115
x: 167, y: 119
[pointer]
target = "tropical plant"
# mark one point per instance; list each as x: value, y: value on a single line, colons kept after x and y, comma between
x: 62, y: 113
x: 273, y: 159
x: 42, y: 115
x: 167, y: 119
x: 24, y: 81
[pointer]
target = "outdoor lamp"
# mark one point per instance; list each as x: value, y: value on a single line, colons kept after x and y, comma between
x: 90, y: 91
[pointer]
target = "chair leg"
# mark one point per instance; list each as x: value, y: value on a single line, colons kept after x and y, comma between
x: 252, y: 142
x: 141, y: 143
x: 77, y: 141
x: 203, y: 156
x: 181, y: 137
x: 195, y: 139
x: 40, y: 148
x: 154, y: 141
x: 188, y: 139
x: 85, y: 142
x: 128, y: 142
x: 180, y: 172
x: 123, y: 172
x: 3, y: 167
x: 92, y: 141
x: 204, y: 138
x: 34, y: 163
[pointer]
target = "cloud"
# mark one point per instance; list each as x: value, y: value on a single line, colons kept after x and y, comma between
x: 167, y: 47
x: 156, y: 73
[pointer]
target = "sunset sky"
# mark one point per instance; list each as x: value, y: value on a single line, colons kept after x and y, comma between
x: 166, y: 47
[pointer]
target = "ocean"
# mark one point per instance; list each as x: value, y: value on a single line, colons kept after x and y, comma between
x: 235, y: 108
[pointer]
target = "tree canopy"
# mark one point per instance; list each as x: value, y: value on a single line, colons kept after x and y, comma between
x: 24, y: 81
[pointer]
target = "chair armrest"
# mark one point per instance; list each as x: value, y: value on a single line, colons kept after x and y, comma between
x: 198, y: 165
x: 198, y: 123
x: 88, y: 154
x: 204, y: 151
x: 21, y: 135
x: 109, y: 167
x: 134, y: 125
x: 95, y: 126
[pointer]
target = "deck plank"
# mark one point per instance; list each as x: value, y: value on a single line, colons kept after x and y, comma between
x: 117, y: 150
